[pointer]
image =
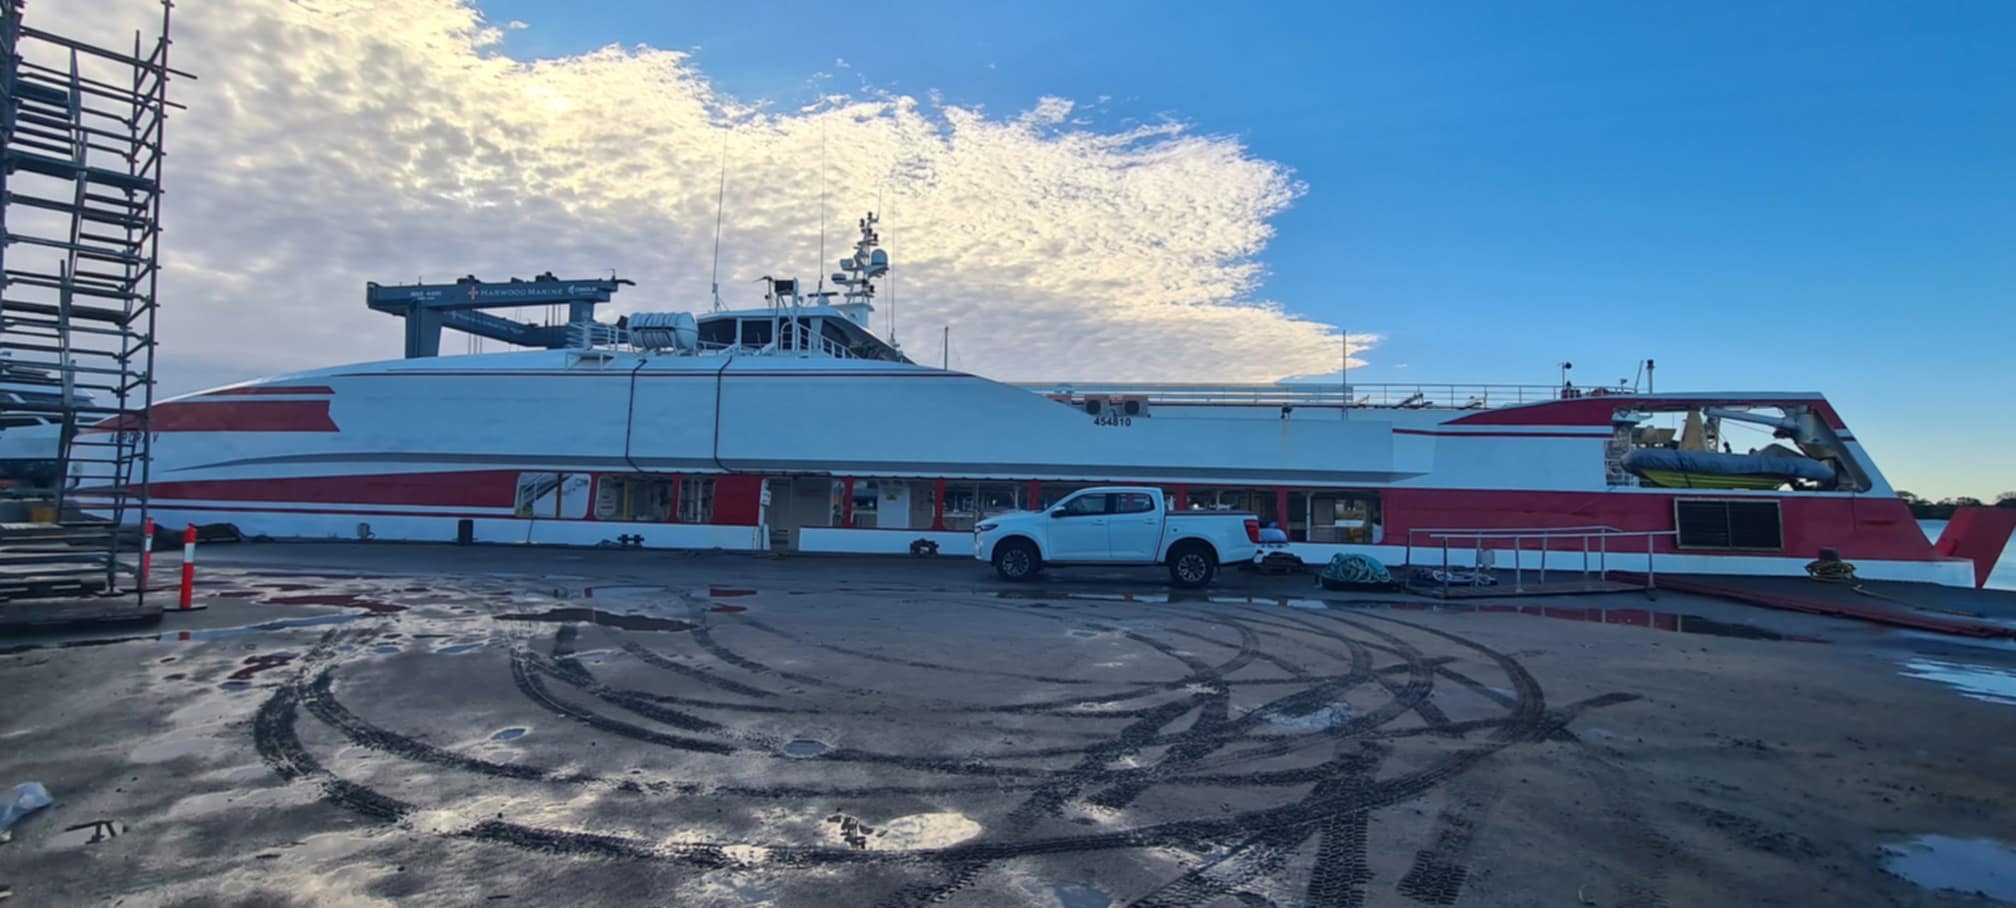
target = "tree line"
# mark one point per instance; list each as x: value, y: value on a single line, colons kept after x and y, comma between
x: 1927, y: 509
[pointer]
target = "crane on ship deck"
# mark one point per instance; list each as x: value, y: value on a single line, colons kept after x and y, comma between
x: 428, y: 308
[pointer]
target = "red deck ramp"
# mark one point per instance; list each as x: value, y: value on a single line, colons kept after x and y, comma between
x: 1978, y: 535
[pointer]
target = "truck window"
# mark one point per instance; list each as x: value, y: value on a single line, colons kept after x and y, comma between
x: 1134, y: 503
x: 1085, y: 505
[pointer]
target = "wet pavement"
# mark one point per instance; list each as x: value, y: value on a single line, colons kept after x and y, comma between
x: 387, y: 724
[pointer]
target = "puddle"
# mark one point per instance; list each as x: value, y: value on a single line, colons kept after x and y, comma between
x: 384, y: 649
x: 728, y: 609
x: 344, y: 600
x: 224, y: 633
x: 1983, y: 866
x: 804, y: 747
x: 724, y: 592
x: 91, y: 833
x: 618, y: 591
x: 1678, y: 622
x: 1078, y: 895
x: 256, y: 664
x: 1975, y: 682
x: 459, y: 648
x: 1082, y: 634
x: 1322, y: 718
x: 235, y: 685
x: 597, y: 616
x: 171, y: 749
x: 509, y: 734
x: 1149, y: 598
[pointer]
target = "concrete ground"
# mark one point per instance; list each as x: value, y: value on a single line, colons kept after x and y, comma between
x: 379, y: 724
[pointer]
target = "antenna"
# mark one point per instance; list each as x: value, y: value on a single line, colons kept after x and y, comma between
x: 822, y: 205
x: 891, y: 275
x: 945, y: 356
x: 720, y: 197
x: 1344, y: 375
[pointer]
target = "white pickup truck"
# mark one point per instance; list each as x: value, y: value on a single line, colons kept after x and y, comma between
x: 1117, y: 525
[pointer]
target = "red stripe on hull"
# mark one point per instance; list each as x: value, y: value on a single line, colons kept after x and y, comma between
x: 270, y: 389
x: 1879, y: 528
x: 231, y: 416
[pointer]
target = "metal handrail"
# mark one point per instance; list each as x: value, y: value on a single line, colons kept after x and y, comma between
x: 1385, y: 394
x: 1601, y: 534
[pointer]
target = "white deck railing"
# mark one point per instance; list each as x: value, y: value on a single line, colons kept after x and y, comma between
x: 1384, y: 394
x: 1482, y: 541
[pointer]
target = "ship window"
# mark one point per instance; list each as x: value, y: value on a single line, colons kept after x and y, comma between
x: 834, y: 333
x: 967, y: 502
x: 1728, y: 524
x: 755, y: 332
x: 562, y: 496
x: 633, y: 498
x: 1345, y: 517
x: 696, y: 499
x: 18, y: 422
x: 718, y: 333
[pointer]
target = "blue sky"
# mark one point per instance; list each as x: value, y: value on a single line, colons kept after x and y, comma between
x: 1775, y: 196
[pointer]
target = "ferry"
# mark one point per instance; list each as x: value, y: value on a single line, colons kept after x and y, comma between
x: 794, y: 427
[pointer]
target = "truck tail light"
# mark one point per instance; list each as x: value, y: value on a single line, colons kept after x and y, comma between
x: 1252, y: 529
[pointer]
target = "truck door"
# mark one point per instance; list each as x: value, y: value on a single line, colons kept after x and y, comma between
x: 1078, y: 528
x: 1134, y: 530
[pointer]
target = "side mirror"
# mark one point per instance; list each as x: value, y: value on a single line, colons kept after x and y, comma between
x: 1057, y: 513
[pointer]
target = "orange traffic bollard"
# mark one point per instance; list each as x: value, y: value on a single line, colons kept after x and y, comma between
x: 146, y: 552
x: 188, y: 564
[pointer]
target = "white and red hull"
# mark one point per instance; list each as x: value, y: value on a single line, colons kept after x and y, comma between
x: 409, y: 449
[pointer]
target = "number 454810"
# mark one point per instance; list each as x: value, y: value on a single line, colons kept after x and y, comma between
x: 1111, y: 420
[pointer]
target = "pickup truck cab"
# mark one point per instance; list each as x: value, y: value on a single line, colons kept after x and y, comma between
x: 1116, y: 525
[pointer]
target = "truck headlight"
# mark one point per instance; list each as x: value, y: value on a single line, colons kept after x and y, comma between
x: 986, y: 526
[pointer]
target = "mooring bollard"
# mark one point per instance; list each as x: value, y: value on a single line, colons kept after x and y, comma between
x: 188, y: 564
x: 146, y: 552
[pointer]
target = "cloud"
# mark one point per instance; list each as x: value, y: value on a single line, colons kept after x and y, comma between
x: 516, y: 25
x: 333, y: 142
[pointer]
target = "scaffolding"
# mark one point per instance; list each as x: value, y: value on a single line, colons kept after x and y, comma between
x: 81, y: 131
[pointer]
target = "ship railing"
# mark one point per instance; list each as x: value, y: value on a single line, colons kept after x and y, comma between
x: 819, y: 345
x: 1596, y: 543
x: 1396, y: 395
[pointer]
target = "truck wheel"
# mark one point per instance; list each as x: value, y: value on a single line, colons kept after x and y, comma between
x: 1016, y: 560
x: 1192, y: 565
